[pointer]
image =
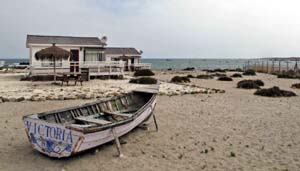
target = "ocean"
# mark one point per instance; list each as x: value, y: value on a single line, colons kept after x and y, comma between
x: 176, y: 63
x: 196, y: 63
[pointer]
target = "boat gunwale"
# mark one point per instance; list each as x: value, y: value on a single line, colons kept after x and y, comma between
x: 76, y: 107
x: 98, y: 127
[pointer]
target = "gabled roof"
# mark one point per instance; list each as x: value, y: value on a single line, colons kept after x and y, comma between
x: 66, y: 40
x: 121, y: 51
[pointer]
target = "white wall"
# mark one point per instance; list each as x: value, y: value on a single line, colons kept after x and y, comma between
x: 109, y: 57
x: 66, y: 64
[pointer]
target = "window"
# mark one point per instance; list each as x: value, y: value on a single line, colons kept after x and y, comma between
x: 49, y: 63
x: 94, y: 56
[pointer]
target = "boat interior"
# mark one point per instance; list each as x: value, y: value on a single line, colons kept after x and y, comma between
x: 99, y: 114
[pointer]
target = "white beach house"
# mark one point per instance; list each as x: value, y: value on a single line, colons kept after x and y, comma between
x: 87, y: 53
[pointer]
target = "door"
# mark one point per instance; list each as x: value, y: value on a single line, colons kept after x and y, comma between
x: 74, y: 61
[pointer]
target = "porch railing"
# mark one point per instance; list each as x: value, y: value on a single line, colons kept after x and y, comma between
x: 95, y: 67
x: 141, y: 65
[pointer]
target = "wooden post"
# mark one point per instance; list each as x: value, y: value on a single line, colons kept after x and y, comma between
x: 296, y: 66
x: 54, y: 69
x: 248, y: 67
x: 156, y: 126
x: 117, y: 142
x: 273, y: 65
x: 262, y: 66
x: 267, y: 66
x: 279, y: 67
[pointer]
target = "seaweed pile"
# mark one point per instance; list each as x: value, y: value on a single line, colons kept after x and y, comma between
x: 189, y: 69
x: 143, y: 80
x: 204, y: 76
x: 215, y: 70
x: 297, y: 86
x: 249, y: 72
x: 190, y: 76
x: 236, y: 75
x: 274, y: 92
x: 143, y: 72
x: 225, y: 78
x: 288, y: 74
x: 178, y: 79
x: 250, y: 84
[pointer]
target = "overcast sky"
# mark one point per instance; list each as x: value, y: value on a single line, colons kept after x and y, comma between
x: 161, y: 28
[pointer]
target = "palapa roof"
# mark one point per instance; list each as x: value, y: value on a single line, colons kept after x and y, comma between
x: 65, y: 40
x: 52, y: 52
x: 122, y: 51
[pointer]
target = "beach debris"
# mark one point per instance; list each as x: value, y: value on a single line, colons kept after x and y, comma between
x: 180, y: 156
x: 179, y: 79
x: 143, y: 80
x: 204, y: 76
x: 290, y: 74
x: 215, y: 70
x: 259, y: 82
x: 236, y: 75
x: 232, y: 154
x: 97, y: 90
x: 274, y: 92
x: 189, y: 69
x: 250, y: 84
x: 204, y: 151
x: 218, y: 75
x: 122, y: 141
x: 296, y: 86
x: 225, y: 78
x: 237, y: 70
x: 143, y: 72
x: 190, y: 76
x: 249, y: 72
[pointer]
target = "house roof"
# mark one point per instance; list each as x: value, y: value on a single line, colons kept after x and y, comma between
x: 67, y: 40
x: 121, y: 51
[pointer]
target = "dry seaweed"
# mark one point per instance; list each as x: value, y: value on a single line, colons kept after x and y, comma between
x: 250, y: 72
x: 274, y: 92
x: 225, y: 78
x: 143, y: 80
x: 143, y: 72
x: 236, y: 75
x: 178, y: 79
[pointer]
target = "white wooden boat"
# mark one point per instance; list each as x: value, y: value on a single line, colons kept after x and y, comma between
x: 68, y: 131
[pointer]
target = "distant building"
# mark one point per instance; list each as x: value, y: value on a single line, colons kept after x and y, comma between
x: 86, y: 53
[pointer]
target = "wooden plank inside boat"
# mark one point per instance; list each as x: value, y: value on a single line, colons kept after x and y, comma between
x: 93, y: 120
x: 117, y: 114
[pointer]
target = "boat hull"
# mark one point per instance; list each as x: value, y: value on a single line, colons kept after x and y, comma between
x: 56, y: 140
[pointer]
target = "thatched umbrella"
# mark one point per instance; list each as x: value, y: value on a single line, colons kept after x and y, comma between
x: 53, y: 53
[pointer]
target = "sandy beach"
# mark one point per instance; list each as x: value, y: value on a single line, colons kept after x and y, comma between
x: 235, y: 130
